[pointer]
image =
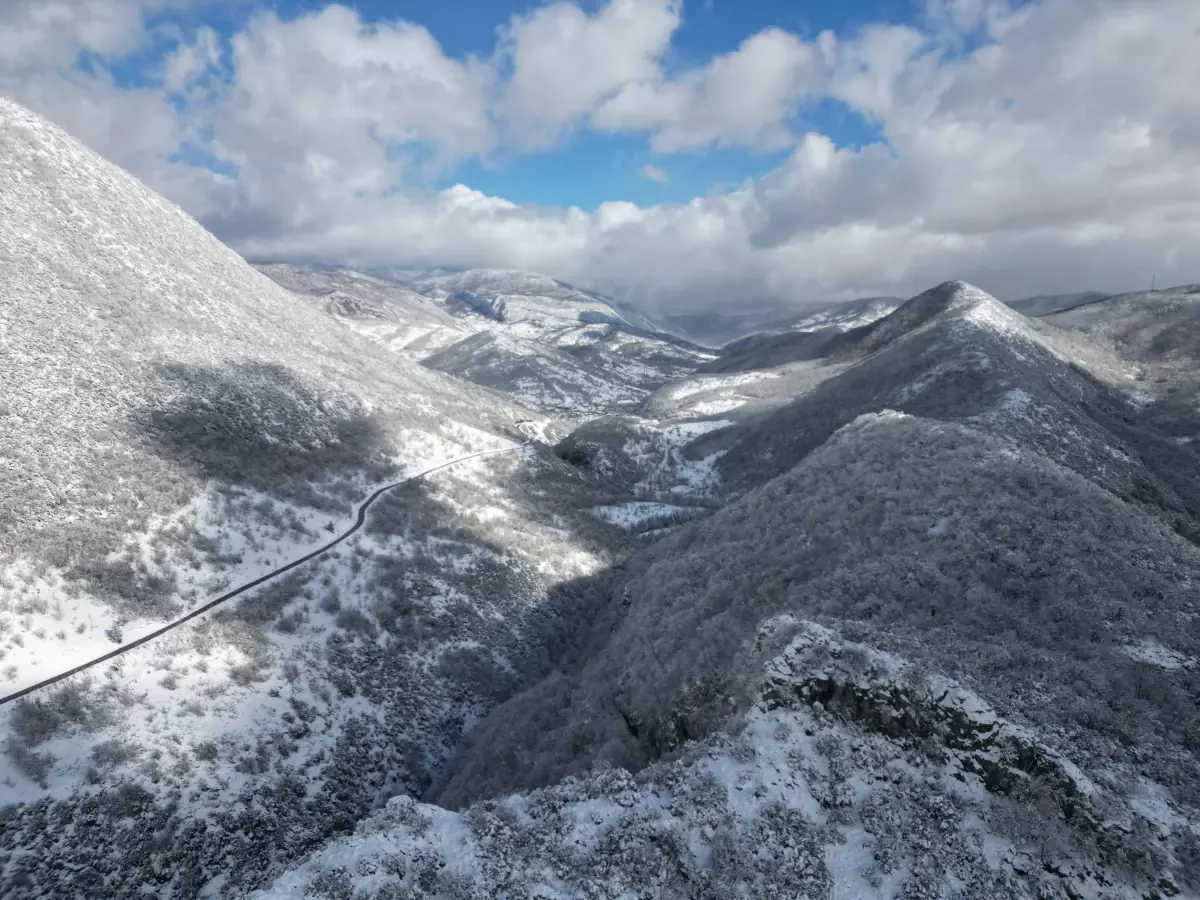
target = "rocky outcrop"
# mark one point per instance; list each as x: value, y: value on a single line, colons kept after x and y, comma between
x: 882, y: 693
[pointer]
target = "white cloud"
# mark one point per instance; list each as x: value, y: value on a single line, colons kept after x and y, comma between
x: 1071, y: 120
x: 655, y: 173
x: 192, y: 60
x: 320, y: 113
x: 328, y: 73
x: 1063, y: 153
x: 743, y: 98
x: 40, y: 44
x: 51, y: 33
x: 565, y: 63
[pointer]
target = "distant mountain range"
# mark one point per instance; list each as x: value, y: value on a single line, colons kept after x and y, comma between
x: 720, y: 328
x: 890, y: 598
x: 553, y: 347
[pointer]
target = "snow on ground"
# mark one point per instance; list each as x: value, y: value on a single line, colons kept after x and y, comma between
x: 755, y: 810
x: 707, y: 408
x: 1155, y: 654
x: 794, y: 802
x: 699, y: 384
x: 182, y: 680
x: 697, y: 478
x: 579, y: 370
x: 634, y: 513
x: 1153, y: 802
x: 51, y: 627
x: 682, y: 432
x: 160, y: 707
x: 658, y: 450
x: 989, y: 312
x: 412, y: 341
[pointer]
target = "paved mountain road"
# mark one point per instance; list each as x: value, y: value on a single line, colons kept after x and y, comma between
x: 275, y: 573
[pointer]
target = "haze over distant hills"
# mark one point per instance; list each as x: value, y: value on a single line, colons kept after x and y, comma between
x: 894, y: 598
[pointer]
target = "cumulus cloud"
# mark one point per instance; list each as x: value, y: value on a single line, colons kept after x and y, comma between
x: 1073, y: 120
x: 40, y: 45
x: 566, y: 63
x: 51, y: 33
x: 743, y: 98
x: 1049, y: 146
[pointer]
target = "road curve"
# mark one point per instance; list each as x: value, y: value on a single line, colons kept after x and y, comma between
x: 358, y: 523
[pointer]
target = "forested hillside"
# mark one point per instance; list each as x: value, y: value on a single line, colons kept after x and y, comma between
x: 175, y: 424
x: 891, y: 599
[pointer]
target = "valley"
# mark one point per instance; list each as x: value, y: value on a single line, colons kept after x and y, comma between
x: 892, y: 598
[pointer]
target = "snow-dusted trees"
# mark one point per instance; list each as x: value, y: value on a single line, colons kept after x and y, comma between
x: 1003, y: 569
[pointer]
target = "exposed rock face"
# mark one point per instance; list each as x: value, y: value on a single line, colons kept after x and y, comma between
x: 883, y: 694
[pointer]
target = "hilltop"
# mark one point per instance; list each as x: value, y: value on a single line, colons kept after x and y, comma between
x: 895, y: 598
x: 174, y: 424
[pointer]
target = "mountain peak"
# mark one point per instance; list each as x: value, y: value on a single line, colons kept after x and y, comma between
x: 950, y: 299
x: 949, y: 296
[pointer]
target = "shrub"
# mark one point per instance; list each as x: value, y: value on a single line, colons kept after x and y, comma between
x: 114, y: 752
x: 355, y: 620
x: 34, y: 765
x: 330, y: 602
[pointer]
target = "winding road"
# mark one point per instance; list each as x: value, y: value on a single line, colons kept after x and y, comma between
x: 262, y: 579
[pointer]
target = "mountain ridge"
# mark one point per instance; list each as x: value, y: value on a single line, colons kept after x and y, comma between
x: 176, y: 423
x: 890, y: 607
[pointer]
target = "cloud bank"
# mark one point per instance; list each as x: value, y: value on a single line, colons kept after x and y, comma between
x: 1033, y: 148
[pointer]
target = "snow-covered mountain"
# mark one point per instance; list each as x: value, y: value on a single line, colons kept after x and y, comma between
x: 747, y: 318
x: 835, y: 316
x: 175, y: 424
x: 514, y: 297
x: 390, y: 314
x: 954, y: 353
x: 892, y: 602
x: 753, y: 322
x: 1019, y: 533
x: 1160, y: 328
x: 548, y: 344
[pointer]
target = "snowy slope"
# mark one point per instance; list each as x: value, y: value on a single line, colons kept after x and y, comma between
x: 175, y: 423
x: 563, y: 350
x: 836, y: 316
x: 942, y: 559
x: 1031, y: 535
x: 1156, y: 327
x: 597, y: 370
x: 794, y: 803
x: 400, y: 319
x: 515, y: 296
x: 747, y: 319
x: 547, y: 344
x: 541, y: 377
x: 956, y: 354
x: 128, y: 311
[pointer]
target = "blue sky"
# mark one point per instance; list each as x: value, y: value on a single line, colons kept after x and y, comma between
x: 469, y: 26
x: 588, y: 168
x: 680, y: 154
